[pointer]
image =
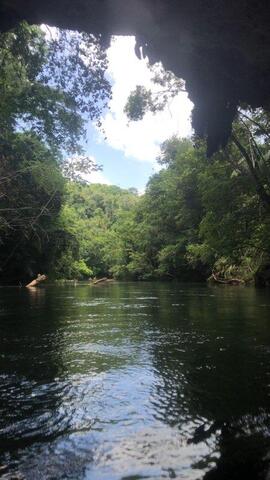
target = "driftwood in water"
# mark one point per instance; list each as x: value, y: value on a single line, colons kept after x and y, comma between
x: 37, y: 281
x: 102, y: 280
x: 231, y: 281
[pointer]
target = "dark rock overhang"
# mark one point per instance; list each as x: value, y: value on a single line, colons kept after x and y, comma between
x: 220, y: 48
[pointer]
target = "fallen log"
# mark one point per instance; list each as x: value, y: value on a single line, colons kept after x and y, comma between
x: 40, y: 278
x: 100, y: 280
x: 230, y: 281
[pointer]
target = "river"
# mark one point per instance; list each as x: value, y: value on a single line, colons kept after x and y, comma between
x: 134, y: 380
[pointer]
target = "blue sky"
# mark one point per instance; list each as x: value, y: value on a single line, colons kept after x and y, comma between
x: 118, y: 169
x: 128, y: 154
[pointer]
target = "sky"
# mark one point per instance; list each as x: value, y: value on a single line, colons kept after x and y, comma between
x: 128, y: 150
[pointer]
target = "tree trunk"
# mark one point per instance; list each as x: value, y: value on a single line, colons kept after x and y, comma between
x: 36, y: 282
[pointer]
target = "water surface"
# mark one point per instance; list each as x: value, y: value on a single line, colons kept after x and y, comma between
x: 134, y: 380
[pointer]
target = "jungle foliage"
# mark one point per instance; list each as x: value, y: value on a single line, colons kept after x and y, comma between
x: 198, y: 215
x: 49, y: 86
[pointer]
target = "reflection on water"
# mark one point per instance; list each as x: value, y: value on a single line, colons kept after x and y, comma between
x: 133, y: 381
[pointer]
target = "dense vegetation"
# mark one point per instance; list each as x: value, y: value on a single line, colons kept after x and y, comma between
x: 49, y: 86
x: 198, y: 216
x: 195, y: 217
x: 97, y: 218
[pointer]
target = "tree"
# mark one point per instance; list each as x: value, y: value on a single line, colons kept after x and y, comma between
x: 142, y: 100
x: 51, y: 85
x: 250, y: 129
x: 31, y: 190
x: 99, y: 217
x: 168, y: 216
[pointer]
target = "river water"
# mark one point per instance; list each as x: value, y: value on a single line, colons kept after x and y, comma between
x: 134, y: 380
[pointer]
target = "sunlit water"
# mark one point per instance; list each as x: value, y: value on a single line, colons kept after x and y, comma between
x: 134, y: 380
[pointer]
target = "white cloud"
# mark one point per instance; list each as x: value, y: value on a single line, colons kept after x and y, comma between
x: 140, y: 140
x: 51, y: 33
x: 96, y: 177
